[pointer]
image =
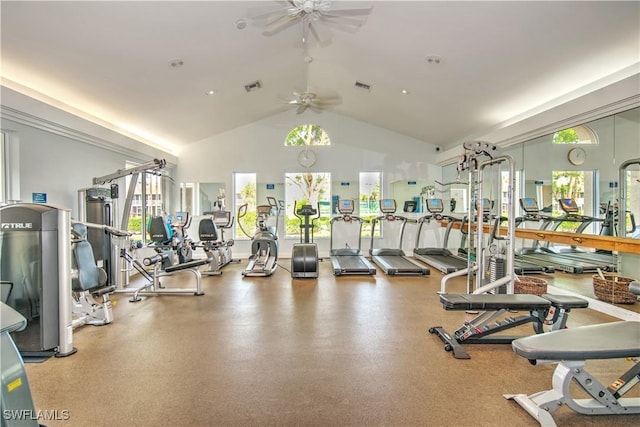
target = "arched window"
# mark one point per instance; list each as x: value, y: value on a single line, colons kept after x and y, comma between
x: 307, y: 135
x: 582, y: 134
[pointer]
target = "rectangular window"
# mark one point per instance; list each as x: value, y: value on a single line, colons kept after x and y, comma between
x: 3, y: 169
x: 504, y: 192
x: 244, y: 185
x: 577, y: 186
x: 370, y: 184
x: 312, y: 188
x: 150, y: 201
x: 632, y: 216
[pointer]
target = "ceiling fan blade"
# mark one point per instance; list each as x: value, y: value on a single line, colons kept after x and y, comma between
x: 345, y: 8
x: 344, y: 24
x: 283, y: 23
x: 320, y: 32
x: 329, y: 101
x: 301, y: 108
x: 262, y: 12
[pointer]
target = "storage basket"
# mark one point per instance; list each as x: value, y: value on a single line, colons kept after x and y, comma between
x: 530, y: 285
x: 613, y: 289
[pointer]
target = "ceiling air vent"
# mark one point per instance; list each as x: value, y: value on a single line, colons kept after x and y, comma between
x: 253, y: 86
x: 363, y: 86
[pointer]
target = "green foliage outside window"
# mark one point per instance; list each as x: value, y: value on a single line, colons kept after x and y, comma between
x: 567, y: 185
x: 566, y: 136
x: 307, y: 135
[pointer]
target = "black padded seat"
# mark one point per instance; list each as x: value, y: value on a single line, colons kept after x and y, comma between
x: 614, y: 340
x: 493, y: 302
x: 566, y: 301
x: 102, y: 291
x: 187, y: 265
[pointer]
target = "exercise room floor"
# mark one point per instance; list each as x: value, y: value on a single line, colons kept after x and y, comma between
x: 336, y: 351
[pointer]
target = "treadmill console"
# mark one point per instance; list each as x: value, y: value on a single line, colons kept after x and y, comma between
x: 387, y: 206
x: 485, y: 204
x: 569, y: 206
x: 346, y: 206
x: 307, y: 210
x: 435, y: 206
x: 529, y: 205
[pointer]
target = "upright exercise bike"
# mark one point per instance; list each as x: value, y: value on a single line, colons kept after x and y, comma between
x: 304, y: 256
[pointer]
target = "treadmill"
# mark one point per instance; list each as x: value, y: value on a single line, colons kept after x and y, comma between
x: 440, y: 258
x: 544, y: 256
x: 349, y: 260
x: 608, y: 261
x: 393, y: 261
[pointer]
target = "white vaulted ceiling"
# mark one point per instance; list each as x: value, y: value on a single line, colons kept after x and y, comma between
x: 498, y: 62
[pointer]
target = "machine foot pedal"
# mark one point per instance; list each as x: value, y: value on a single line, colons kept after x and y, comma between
x: 450, y: 343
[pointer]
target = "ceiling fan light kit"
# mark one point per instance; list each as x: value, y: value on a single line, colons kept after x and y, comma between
x: 316, y: 16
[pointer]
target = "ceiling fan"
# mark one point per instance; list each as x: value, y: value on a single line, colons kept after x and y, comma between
x: 314, y: 102
x: 317, y: 16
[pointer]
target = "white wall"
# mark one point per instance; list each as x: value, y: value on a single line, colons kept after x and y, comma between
x: 355, y: 147
x: 61, y: 153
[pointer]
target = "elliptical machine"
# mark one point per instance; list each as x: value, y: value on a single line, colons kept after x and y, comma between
x: 264, y: 243
x: 304, y: 255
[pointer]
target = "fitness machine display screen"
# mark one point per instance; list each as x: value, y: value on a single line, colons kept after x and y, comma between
x: 181, y: 218
x: 222, y: 218
x: 345, y: 207
x: 264, y: 209
x: 568, y: 205
x: 387, y: 206
x: 410, y: 206
x: 435, y: 206
x: 529, y: 205
x: 486, y: 205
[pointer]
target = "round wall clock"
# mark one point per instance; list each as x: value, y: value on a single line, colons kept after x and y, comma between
x: 577, y: 156
x: 307, y: 158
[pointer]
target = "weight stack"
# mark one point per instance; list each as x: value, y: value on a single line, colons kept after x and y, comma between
x: 497, y: 271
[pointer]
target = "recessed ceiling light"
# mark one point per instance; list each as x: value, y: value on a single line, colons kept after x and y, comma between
x: 176, y: 63
x: 241, y: 24
x: 211, y: 92
x: 432, y: 59
x: 404, y: 91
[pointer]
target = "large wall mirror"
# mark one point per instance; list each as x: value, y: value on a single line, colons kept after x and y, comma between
x: 200, y: 197
x: 581, y: 166
x: 576, y: 170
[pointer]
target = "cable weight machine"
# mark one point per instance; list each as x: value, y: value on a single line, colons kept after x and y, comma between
x: 477, y: 157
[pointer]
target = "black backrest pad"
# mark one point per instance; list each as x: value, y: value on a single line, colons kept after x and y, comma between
x: 207, y: 230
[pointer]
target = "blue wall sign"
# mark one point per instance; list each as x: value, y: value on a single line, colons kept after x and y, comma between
x: 39, y: 197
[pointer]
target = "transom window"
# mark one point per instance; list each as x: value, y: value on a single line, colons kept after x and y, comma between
x: 582, y: 134
x: 307, y: 135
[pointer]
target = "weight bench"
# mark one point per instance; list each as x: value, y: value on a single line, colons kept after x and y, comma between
x: 571, y: 348
x: 545, y: 310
